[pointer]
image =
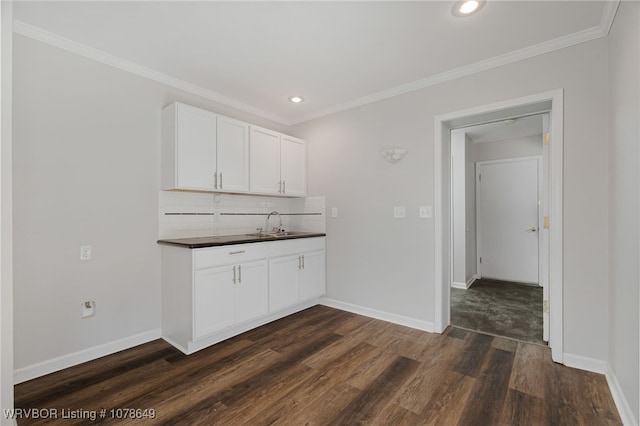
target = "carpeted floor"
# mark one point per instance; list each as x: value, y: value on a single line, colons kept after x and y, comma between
x: 499, y: 308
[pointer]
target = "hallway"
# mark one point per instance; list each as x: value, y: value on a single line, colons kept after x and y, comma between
x: 499, y: 308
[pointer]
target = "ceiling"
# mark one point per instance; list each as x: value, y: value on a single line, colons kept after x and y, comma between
x: 337, y: 55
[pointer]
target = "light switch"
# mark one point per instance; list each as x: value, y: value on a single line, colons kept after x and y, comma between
x: 334, y: 212
x: 399, y: 212
x: 425, y: 212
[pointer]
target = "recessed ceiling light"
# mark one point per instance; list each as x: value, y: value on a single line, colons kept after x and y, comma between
x: 296, y: 99
x: 467, y: 7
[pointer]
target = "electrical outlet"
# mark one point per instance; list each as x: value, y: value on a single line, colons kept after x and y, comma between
x: 88, y: 308
x: 85, y: 252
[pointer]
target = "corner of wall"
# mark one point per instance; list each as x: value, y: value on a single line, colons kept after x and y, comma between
x: 6, y: 209
x: 624, y: 409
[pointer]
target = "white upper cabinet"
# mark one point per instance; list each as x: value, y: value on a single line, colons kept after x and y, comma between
x: 203, y: 151
x: 278, y: 164
x: 293, y: 166
x: 188, y: 148
x: 264, y: 162
x: 232, y: 155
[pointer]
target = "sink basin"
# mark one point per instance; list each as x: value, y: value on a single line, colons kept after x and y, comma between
x: 275, y: 234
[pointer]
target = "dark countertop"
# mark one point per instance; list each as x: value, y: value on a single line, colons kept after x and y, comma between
x: 227, y: 240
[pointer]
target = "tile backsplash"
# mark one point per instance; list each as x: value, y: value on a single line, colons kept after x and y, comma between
x: 192, y: 214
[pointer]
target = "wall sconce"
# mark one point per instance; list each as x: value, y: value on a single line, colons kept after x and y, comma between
x: 393, y: 155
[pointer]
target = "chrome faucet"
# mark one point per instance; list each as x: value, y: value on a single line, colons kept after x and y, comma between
x: 279, y: 228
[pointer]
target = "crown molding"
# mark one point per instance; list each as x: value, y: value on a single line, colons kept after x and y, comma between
x: 497, y: 61
x: 608, y: 15
x: 52, y: 39
x: 586, y: 35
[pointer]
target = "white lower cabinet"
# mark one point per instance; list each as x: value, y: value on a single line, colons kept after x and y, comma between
x: 296, y: 272
x: 211, y: 294
x: 213, y: 301
x: 312, y: 283
x: 283, y: 280
x: 229, y: 295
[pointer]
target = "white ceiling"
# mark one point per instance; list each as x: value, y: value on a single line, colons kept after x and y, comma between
x: 253, y: 55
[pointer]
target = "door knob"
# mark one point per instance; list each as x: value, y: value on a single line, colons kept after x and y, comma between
x: 532, y: 229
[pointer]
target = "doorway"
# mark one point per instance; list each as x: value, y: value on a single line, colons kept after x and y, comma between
x: 551, y: 102
x: 497, y: 202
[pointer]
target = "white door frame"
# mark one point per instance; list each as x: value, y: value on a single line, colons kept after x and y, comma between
x: 538, y: 159
x: 548, y: 101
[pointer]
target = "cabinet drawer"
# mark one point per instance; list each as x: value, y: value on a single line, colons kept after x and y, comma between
x: 217, y: 256
x: 295, y: 246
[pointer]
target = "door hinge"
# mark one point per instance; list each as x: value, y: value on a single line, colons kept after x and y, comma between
x: 545, y: 224
x: 545, y: 306
x: 480, y: 177
x: 546, y: 138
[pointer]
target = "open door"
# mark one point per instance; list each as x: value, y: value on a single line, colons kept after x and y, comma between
x: 507, y: 194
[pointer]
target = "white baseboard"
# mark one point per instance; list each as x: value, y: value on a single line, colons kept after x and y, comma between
x: 56, y: 364
x: 603, y: 367
x: 381, y: 315
x: 584, y: 363
x: 465, y: 286
x: 626, y: 414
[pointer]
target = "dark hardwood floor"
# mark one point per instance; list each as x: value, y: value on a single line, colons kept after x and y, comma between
x: 323, y: 366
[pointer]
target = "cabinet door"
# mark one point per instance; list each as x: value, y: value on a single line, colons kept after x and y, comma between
x: 213, y: 300
x: 312, y: 282
x: 195, y: 148
x: 293, y: 166
x: 233, y: 155
x: 283, y: 282
x: 264, y: 163
x: 252, y: 291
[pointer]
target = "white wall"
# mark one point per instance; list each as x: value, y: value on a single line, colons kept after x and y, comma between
x: 459, y: 208
x: 470, y: 197
x: 512, y: 148
x: 6, y: 232
x: 464, y: 208
x: 86, y: 171
x: 387, y: 264
x: 624, y: 250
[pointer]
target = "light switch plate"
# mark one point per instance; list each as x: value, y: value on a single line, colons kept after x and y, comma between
x: 425, y: 212
x: 399, y: 212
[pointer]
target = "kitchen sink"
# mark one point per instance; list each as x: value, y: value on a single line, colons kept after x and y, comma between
x: 276, y: 234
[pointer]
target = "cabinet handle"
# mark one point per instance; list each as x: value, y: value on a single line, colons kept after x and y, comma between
x: 284, y: 186
x: 215, y: 180
x: 299, y: 262
x: 220, y: 180
x: 240, y: 274
x: 234, y: 274
x: 280, y: 187
x: 303, y: 261
x: 237, y: 252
